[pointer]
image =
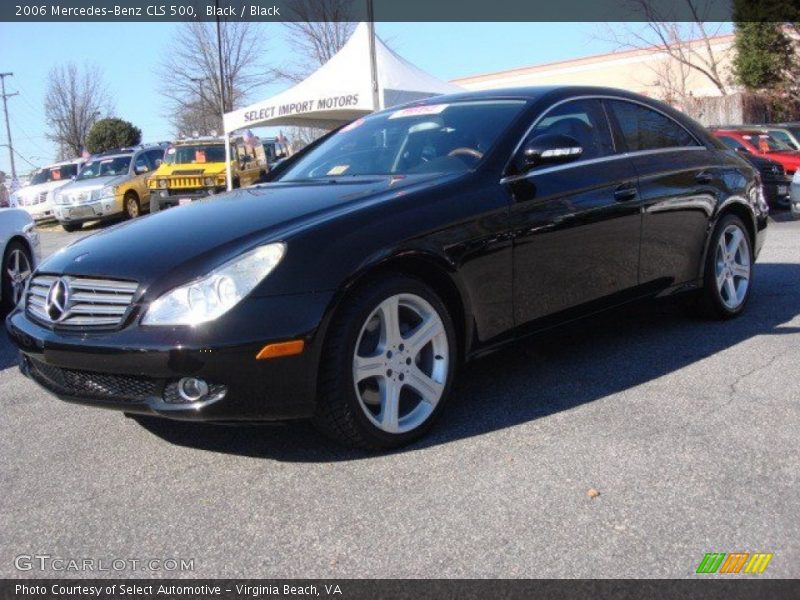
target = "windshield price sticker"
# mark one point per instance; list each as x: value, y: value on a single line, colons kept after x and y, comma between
x: 414, y: 111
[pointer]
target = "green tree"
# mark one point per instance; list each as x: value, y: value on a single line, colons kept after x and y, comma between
x: 764, y: 55
x: 111, y: 133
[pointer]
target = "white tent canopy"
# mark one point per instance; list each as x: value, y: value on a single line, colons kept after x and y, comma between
x: 341, y: 90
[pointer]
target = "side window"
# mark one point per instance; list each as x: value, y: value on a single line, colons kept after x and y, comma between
x: 646, y: 129
x: 732, y: 143
x: 142, y: 164
x: 156, y: 156
x: 583, y: 120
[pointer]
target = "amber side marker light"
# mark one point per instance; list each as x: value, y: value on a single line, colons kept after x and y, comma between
x: 281, y: 349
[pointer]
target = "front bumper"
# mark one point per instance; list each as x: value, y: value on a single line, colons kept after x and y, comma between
x: 89, y: 211
x: 135, y: 369
x: 175, y: 197
x: 777, y: 193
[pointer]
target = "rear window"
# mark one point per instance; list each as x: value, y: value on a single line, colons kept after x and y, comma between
x: 646, y: 129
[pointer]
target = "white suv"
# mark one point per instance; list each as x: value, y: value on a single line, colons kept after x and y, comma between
x: 37, y: 197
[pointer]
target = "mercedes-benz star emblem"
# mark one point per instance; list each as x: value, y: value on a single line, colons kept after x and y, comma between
x: 57, y: 300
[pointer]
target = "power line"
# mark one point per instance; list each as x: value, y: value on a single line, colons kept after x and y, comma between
x: 8, y: 126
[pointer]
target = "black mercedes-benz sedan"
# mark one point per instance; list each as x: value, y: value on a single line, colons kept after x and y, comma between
x: 350, y: 287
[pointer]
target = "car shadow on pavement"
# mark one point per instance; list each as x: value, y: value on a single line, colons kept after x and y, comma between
x: 551, y: 372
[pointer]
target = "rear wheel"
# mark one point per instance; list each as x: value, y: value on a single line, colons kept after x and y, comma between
x: 728, y: 270
x: 17, y: 267
x: 387, y: 365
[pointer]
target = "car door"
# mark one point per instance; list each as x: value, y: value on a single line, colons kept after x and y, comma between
x: 576, y: 226
x: 679, y: 184
x: 143, y: 169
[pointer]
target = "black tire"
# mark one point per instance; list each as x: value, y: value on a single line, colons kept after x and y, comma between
x: 708, y: 302
x: 8, y: 302
x: 339, y: 414
x: 133, y: 208
x: 70, y: 226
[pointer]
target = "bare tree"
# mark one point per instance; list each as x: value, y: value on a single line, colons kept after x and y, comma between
x: 318, y: 32
x: 191, y: 78
x: 686, y: 44
x: 74, y: 100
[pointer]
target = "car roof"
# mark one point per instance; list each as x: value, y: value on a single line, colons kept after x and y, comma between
x: 531, y: 93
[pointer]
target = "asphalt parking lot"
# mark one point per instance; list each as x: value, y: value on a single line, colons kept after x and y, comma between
x: 688, y: 429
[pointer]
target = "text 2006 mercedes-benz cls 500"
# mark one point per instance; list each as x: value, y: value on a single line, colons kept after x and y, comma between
x: 350, y: 287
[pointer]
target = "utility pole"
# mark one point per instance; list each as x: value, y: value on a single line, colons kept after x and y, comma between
x: 8, y: 126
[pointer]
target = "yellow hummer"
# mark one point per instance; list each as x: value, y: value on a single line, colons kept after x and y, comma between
x: 194, y: 168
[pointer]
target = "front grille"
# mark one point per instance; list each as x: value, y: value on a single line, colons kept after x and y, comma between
x: 42, y: 198
x: 185, y: 182
x: 87, y: 302
x: 98, y: 386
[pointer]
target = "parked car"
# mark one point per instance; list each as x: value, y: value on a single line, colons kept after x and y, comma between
x: 760, y: 143
x: 382, y: 256
x: 37, y: 197
x: 796, y: 195
x: 788, y: 133
x: 773, y: 175
x: 109, y: 185
x: 20, y: 249
x: 194, y: 168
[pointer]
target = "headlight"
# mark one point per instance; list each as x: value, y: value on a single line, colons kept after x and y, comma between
x: 162, y: 183
x: 58, y: 198
x: 215, y: 294
x: 208, y: 181
x: 106, y: 192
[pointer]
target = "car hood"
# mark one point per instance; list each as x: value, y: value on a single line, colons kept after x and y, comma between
x: 213, y: 168
x: 784, y: 157
x: 95, y: 183
x: 34, y: 190
x: 185, y: 242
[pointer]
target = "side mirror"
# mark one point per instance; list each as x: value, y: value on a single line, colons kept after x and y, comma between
x: 158, y: 162
x: 551, y: 149
x: 140, y: 169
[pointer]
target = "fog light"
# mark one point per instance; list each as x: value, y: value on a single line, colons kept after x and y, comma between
x: 192, y: 389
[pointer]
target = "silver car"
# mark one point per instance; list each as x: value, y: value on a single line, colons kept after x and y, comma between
x: 19, y: 244
x: 108, y: 185
x: 795, y: 190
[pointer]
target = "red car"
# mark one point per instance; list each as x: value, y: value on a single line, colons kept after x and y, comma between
x: 760, y: 143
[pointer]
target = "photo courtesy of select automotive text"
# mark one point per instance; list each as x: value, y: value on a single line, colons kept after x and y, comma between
x: 369, y: 299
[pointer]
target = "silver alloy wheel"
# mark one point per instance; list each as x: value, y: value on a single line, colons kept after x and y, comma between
x: 400, y: 363
x: 732, y: 266
x: 18, y: 269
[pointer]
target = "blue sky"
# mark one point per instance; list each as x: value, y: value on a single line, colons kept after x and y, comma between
x: 128, y: 54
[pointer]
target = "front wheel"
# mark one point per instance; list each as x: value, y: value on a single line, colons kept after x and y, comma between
x: 71, y: 227
x: 132, y: 206
x: 728, y: 271
x: 387, y: 366
x: 17, y: 267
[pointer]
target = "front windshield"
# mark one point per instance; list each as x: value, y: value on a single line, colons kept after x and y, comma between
x: 105, y: 167
x: 57, y: 173
x: 766, y: 143
x: 432, y: 138
x: 196, y: 155
x: 784, y: 138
